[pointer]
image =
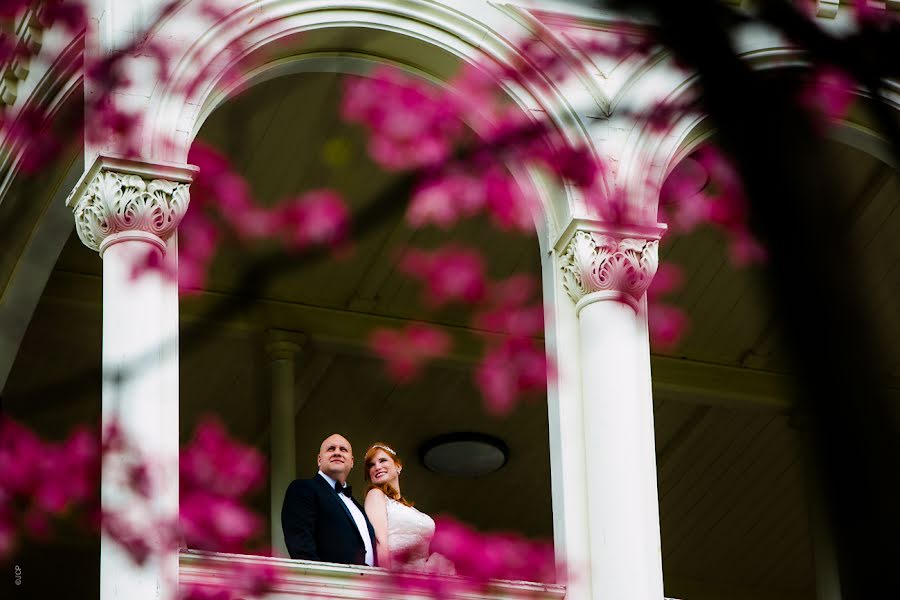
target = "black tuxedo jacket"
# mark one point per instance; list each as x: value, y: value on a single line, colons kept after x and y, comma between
x: 318, y: 525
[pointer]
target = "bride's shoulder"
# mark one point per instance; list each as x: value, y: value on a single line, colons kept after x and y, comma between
x: 376, y: 495
x: 375, y: 492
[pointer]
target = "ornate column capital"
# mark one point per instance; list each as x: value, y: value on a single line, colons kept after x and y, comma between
x: 121, y: 199
x: 599, y: 266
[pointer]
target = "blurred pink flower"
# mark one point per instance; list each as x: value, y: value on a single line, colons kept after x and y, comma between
x: 40, y: 481
x: 668, y: 279
x: 30, y: 130
x: 499, y: 556
x: 411, y: 123
x: 830, y: 93
x: 407, y: 350
x: 871, y: 14
x: 444, y: 199
x: 511, y: 308
x: 237, y: 581
x: 517, y: 321
x: 216, y: 464
x: 745, y: 250
x: 317, y: 217
x: 450, y: 274
x: 515, y: 367
x: 132, y: 539
x: 706, y: 188
x: 667, y: 324
x: 213, y: 522
x: 216, y: 473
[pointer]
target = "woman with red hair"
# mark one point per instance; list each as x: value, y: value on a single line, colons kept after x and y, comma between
x: 403, y: 534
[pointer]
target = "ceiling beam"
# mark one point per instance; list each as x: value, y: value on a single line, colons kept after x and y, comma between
x: 348, y: 331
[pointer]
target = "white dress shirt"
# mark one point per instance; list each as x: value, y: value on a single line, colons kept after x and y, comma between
x: 358, y: 518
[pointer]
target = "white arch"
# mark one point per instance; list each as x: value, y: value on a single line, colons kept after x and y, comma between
x: 648, y: 156
x: 56, y: 88
x: 472, y: 31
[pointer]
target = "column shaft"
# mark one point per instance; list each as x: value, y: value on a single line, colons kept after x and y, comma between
x: 619, y: 444
x: 124, y: 209
x: 140, y: 392
x: 282, y: 440
x: 607, y: 274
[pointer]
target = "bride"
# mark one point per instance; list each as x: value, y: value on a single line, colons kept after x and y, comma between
x: 402, y: 533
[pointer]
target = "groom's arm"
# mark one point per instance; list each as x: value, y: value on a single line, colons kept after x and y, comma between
x: 298, y: 520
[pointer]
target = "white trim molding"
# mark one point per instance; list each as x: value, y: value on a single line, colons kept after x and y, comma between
x: 308, y: 579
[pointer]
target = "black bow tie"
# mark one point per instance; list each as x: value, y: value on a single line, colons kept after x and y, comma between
x: 347, y: 490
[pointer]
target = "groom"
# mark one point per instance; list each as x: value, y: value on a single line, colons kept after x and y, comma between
x: 320, y: 519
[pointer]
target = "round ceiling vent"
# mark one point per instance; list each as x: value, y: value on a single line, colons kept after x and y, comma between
x: 464, y: 454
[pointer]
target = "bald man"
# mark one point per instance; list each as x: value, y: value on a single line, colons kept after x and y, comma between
x: 320, y: 518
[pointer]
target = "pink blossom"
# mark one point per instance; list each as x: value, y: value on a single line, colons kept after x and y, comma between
x: 7, y: 535
x: 10, y: 8
x: 612, y: 207
x: 507, y: 309
x: 204, y: 591
x: 830, y: 93
x: 214, y: 463
x: 574, y: 164
x: 667, y: 325
x: 444, y: 199
x: 236, y: 581
x: 663, y: 114
x: 72, y: 14
x: 516, y: 366
x: 745, y: 250
x: 450, y: 274
x: 871, y: 14
x: 708, y: 189
x: 133, y: 540
x: 485, y: 557
x: 410, y: 122
x: 213, y: 522
x: 517, y: 321
x: 508, y: 206
x: 692, y: 211
x: 687, y: 180
x: 539, y: 63
x: 668, y: 279
x: 406, y: 351
x: 42, y: 480
x: 30, y: 130
x: 256, y: 579
x: 319, y: 217
x: 197, y: 241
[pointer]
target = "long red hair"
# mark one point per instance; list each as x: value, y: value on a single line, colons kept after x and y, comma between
x: 387, y: 488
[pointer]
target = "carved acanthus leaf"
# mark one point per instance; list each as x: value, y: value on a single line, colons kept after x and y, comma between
x: 596, y: 262
x: 116, y: 203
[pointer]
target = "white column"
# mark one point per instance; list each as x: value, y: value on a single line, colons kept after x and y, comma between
x: 124, y: 211
x: 607, y: 276
x: 282, y: 440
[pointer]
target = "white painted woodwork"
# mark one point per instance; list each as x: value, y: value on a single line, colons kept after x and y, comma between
x: 125, y: 210
x: 140, y: 392
x: 282, y: 354
x: 308, y: 580
x: 606, y: 276
x: 623, y: 518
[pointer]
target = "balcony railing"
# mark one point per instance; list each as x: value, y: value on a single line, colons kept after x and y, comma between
x: 298, y: 579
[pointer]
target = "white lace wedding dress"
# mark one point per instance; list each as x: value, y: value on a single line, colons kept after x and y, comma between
x: 409, y: 534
